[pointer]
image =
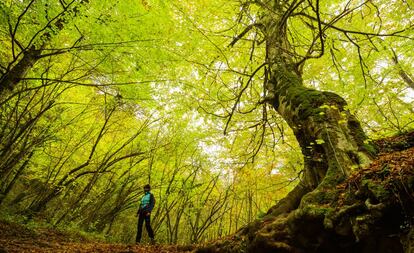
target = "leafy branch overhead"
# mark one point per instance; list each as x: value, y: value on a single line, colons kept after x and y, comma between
x: 250, y: 119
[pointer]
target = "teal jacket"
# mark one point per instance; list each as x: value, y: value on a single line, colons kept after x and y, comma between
x: 147, y: 202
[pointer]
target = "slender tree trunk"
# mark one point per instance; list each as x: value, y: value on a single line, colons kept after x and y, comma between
x: 11, y: 78
x: 5, y: 192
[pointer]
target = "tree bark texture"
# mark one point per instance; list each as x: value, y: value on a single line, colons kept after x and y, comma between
x: 11, y: 78
x: 331, y: 139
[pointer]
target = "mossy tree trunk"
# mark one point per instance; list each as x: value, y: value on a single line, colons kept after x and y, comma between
x: 331, y: 139
x: 333, y: 144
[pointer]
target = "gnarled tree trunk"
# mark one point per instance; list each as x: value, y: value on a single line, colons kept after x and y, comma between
x: 310, y: 218
x: 332, y: 140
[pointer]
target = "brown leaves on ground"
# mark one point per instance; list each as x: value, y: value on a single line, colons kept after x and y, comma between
x: 45, y: 246
x: 395, y: 143
x: 16, y: 238
x: 395, y: 163
x: 387, y: 166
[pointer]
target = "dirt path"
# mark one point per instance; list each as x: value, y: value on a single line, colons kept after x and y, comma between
x: 11, y: 246
x: 16, y: 238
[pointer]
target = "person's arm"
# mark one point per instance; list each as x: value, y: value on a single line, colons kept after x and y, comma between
x: 152, y: 203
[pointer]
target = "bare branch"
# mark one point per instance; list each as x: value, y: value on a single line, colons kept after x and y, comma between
x: 13, y: 33
x: 240, y: 94
x: 343, y: 30
x: 320, y: 37
x: 244, y: 32
x: 361, y: 59
x: 96, y: 46
x: 408, y: 79
x: 91, y: 84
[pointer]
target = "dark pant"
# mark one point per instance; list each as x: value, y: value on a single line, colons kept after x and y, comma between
x: 147, y: 218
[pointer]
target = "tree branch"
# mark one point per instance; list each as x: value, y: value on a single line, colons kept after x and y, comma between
x: 244, y: 32
x: 13, y: 33
x: 240, y: 94
x: 407, y: 78
x: 343, y: 30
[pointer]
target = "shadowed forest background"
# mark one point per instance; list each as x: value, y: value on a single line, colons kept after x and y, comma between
x: 236, y: 112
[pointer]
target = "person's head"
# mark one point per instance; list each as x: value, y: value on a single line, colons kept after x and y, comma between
x: 147, y: 188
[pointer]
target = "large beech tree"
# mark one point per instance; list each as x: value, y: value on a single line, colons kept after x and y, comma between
x: 331, y: 139
x: 293, y: 33
x: 316, y: 117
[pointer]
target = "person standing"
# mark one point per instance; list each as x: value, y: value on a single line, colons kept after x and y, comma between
x: 144, y: 214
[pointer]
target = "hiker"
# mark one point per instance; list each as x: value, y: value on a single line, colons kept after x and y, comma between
x: 144, y: 214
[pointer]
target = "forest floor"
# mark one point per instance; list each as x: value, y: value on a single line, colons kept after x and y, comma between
x: 396, y: 155
x: 17, y: 238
